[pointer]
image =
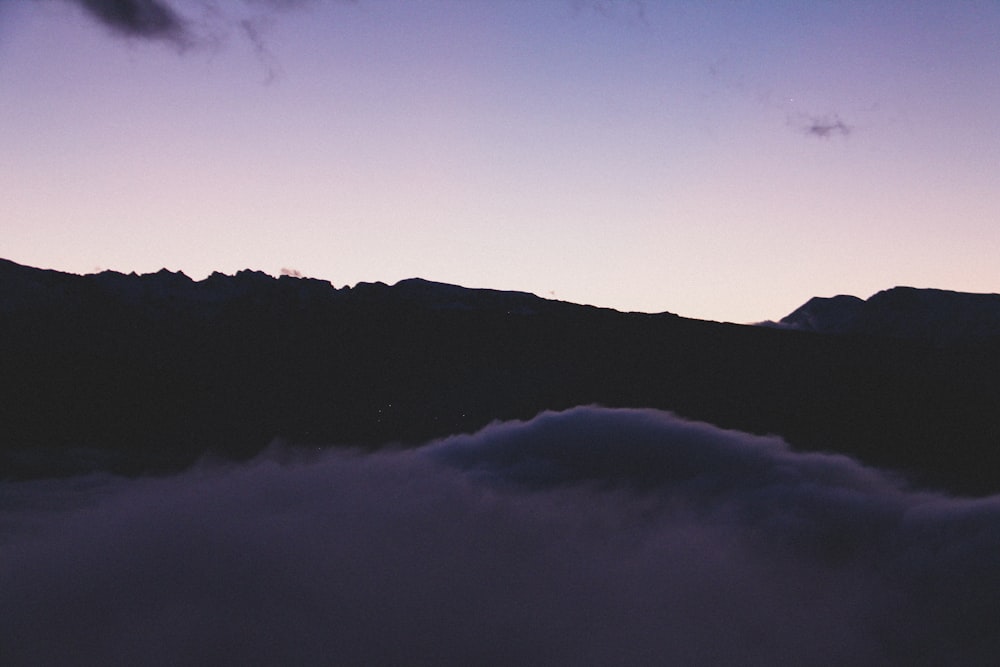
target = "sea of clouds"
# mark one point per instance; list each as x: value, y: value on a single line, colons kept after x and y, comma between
x: 586, y: 537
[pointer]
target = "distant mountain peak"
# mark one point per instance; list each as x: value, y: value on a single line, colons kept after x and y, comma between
x: 933, y: 315
x: 444, y: 296
x: 834, y: 314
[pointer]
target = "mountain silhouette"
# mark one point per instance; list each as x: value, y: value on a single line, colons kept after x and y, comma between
x: 148, y: 373
x: 933, y: 315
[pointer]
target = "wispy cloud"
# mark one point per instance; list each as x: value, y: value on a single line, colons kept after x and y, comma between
x: 211, y: 23
x: 207, y: 23
x: 822, y: 127
x: 729, y: 78
x: 146, y: 19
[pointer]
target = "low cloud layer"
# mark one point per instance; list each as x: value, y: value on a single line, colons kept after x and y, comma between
x: 587, y: 537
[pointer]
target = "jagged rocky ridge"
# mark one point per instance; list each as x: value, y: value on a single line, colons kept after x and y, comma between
x: 142, y: 374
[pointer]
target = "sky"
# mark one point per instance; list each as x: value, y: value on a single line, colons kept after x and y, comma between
x: 724, y: 160
x: 517, y: 545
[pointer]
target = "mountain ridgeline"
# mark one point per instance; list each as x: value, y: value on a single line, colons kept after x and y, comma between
x: 143, y: 374
x: 931, y: 315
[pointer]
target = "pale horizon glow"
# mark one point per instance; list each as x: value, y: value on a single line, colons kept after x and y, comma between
x: 722, y: 162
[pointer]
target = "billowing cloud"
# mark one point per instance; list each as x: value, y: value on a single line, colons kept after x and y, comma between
x: 587, y: 537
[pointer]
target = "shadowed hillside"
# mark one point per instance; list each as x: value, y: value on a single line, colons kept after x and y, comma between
x: 148, y: 373
x: 936, y: 316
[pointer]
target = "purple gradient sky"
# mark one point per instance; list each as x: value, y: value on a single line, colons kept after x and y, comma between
x: 643, y: 156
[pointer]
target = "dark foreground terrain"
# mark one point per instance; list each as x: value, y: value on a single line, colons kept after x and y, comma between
x: 149, y: 373
x: 542, y: 506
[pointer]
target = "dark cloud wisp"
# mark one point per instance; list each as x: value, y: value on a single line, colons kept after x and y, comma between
x: 823, y: 127
x: 205, y: 23
x: 587, y: 537
x: 149, y: 19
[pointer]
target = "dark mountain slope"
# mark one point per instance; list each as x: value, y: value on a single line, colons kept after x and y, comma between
x: 145, y: 373
x: 938, y: 316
